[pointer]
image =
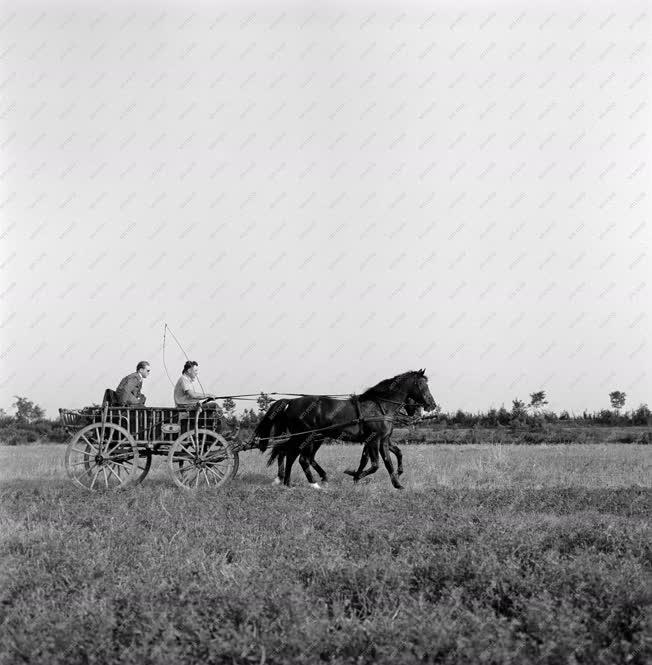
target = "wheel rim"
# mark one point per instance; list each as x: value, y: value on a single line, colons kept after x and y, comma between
x: 102, y: 457
x: 201, y: 459
x: 143, y: 464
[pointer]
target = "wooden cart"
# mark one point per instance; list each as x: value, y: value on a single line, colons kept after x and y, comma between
x: 112, y: 447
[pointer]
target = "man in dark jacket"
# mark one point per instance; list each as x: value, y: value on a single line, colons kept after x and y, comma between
x: 129, y: 388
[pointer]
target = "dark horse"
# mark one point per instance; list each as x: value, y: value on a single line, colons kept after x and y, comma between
x: 367, y: 418
x: 307, y: 453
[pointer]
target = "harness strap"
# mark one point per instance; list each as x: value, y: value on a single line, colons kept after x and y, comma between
x: 289, y: 435
x: 356, y: 401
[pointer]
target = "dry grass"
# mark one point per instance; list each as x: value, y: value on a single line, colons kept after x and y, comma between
x: 493, y: 554
x: 426, y: 466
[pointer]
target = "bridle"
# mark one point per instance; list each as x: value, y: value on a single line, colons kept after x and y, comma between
x: 402, y: 404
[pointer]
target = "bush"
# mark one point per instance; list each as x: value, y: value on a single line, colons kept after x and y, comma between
x: 16, y: 436
x: 13, y: 433
x: 491, y: 419
x: 642, y: 415
x: 645, y: 438
x: 627, y: 438
x: 503, y: 416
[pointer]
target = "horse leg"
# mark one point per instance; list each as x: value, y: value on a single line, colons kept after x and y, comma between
x: 281, y: 470
x: 304, y: 460
x: 319, y: 470
x: 399, y: 457
x: 387, y: 460
x: 290, y: 456
x: 275, y: 430
x: 292, y: 449
x: 370, y: 451
x: 313, y: 462
x: 364, y: 458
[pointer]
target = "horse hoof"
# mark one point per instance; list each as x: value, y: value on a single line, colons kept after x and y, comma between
x: 349, y: 472
x: 398, y: 486
x: 317, y: 486
x: 276, y: 481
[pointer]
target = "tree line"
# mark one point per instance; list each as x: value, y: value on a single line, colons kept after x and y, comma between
x: 29, y: 424
x: 534, y: 413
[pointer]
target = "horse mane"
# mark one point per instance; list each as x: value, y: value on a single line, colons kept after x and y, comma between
x: 386, y: 386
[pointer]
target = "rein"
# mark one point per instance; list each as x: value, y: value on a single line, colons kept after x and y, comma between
x: 321, y: 429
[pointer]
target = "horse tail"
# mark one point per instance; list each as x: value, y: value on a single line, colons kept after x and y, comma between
x: 279, y: 449
x: 272, y: 423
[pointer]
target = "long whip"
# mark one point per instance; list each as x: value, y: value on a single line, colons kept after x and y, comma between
x: 174, y: 337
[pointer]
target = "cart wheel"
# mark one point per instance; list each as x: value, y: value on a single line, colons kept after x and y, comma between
x: 102, y: 457
x: 207, y: 462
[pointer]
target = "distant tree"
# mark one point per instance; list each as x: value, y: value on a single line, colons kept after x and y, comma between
x: 26, y: 411
x: 518, y: 409
x: 263, y: 400
x: 5, y: 418
x: 537, y: 401
x: 462, y: 418
x: 617, y: 399
x: 491, y: 418
x: 642, y: 415
x: 249, y: 418
x: 503, y: 415
x: 605, y: 417
x: 229, y: 407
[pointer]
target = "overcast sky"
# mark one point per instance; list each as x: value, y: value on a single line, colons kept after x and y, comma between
x: 317, y: 196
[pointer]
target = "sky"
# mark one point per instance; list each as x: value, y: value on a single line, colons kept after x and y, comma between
x: 318, y: 196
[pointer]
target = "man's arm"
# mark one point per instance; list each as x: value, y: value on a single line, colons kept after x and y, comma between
x: 190, y: 393
x: 131, y: 392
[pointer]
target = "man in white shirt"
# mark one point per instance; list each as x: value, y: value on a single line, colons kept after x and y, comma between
x: 187, y: 391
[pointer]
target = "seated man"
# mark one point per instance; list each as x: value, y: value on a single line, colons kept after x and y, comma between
x: 187, y: 393
x: 128, y: 389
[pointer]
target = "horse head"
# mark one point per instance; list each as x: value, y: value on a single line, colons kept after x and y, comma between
x: 420, y: 392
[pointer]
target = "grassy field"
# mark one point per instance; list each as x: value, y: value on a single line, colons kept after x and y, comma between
x: 550, y: 434
x: 493, y: 554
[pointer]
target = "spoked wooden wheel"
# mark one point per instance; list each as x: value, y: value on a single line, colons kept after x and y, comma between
x: 202, y: 459
x: 102, y: 457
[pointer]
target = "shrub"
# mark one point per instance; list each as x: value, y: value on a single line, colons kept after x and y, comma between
x: 627, y: 438
x: 16, y: 436
x: 13, y: 433
x: 645, y: 438
x: 503, y: 416
x: 642, y: 415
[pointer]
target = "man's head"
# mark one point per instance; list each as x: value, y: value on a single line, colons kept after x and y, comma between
x: 191, y: 368
x: 143, y: 368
